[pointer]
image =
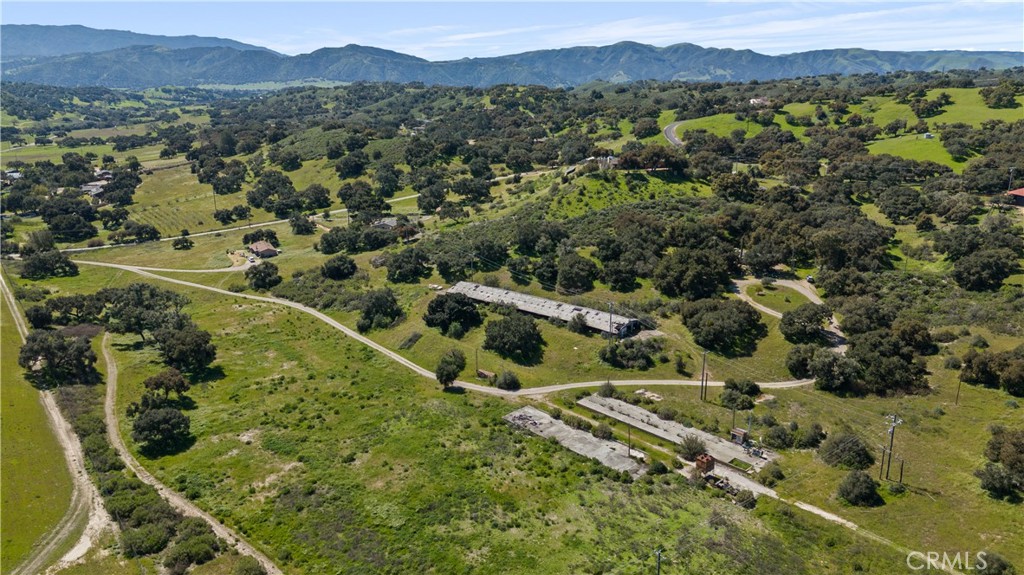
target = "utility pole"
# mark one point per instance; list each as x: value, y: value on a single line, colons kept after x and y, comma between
x: 611, y: 310
x: 476, y: 352
x: 658, y: 555
x: 894, y: 420
x: 959, y: 383
x: 734, y: 418
x: 703, y: 374
x: 881, y: 462
x: 1009, y: 186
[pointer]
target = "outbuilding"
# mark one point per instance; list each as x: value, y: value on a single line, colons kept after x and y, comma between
x: 601, y: 321
x: 263, y: 249
x: 1016, y: 196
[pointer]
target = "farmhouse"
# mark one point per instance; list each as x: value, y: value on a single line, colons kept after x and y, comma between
x: 94, y: 188
x: 1016, y: 196
x: 263, y: 249
x: 601, y: 321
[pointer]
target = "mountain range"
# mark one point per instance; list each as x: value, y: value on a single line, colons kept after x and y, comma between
x: 78, y: 56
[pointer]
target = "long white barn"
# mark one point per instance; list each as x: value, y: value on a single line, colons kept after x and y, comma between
x: 601, y: 321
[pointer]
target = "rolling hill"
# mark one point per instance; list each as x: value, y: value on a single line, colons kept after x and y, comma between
x: 191, y: 61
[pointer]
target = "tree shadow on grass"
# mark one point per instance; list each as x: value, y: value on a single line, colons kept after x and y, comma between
x: 151, y: 451
x: 137, y: 345
x: 454, y: 390
x: 208, y: 375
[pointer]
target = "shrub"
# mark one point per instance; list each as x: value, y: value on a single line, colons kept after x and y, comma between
x: 631, y: 353
x: 602, y: 431
x: 249, y: 566
x: 691, y: 446
x: 578, y: 324
x: 658, y: 468
x: 508, y: 381
x: 952, y: 362
x: 778, y: 437
x: 771, y: 474
x: 846, y: 451
x: 858, y: 488
x: 746, y: 499
x: 144, y: 540
x: 810, y: 438
x: 732, y: 399
x: 607, y: 389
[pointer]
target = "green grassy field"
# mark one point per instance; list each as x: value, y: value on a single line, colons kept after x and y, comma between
x: 721, y: 125
x: 173, y: 200
x: 907, y: 237
x: 36, y: 485
x: 916, y: 147
x: 944, y: 508
x: 779, y: 298
x: 149, y: 155
x: 591, y: 192
x: 314, y: 440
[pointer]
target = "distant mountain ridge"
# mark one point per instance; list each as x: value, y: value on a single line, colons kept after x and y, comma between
x: 143, y: 66
x: 35, y: 40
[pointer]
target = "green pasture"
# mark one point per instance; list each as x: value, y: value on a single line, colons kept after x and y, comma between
x: 776, y: 297
x: 592, y: 192
x: 36, y: 485
x: 916, y: 147
x: 309, y: 439
x: 721, y: 125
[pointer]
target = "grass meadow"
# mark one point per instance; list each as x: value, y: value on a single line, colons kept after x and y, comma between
x: 36, y: 486
x: 324, y: 455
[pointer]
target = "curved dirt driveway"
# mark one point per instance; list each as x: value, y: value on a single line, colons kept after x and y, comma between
x: 836, y: 338
x: 174, y: 498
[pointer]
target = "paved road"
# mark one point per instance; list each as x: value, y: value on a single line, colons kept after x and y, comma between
x: 86, y: 505
x: 670, y: 134
x: 174, y: 498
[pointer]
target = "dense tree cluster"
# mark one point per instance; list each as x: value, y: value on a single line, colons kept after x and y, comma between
x: 516, y: 337
x: 1003, y: 370
x: 1003, y: 474
x: 453, y: 313
x: 726, y: 326
x: 632, y: 353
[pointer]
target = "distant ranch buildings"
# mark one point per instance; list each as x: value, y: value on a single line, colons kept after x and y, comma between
x: 601, y: 321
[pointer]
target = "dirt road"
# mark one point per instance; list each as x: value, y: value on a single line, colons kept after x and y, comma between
x: 417, y: 368
x: 174, y: 498
x: 836, y: 338
x: 85, y: 506
x: 537, y: 391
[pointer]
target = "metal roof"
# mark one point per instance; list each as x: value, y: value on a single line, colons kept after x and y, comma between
x: 599, y: 320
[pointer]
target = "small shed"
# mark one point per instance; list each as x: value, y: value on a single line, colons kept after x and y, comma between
x: 1016, y: 196
x: 484, y: 374
x: 739, y: 435
x: 263, y: 249
x: 705, y: 463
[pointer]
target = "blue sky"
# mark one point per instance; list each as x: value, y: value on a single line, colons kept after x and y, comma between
x: 452, y: 30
